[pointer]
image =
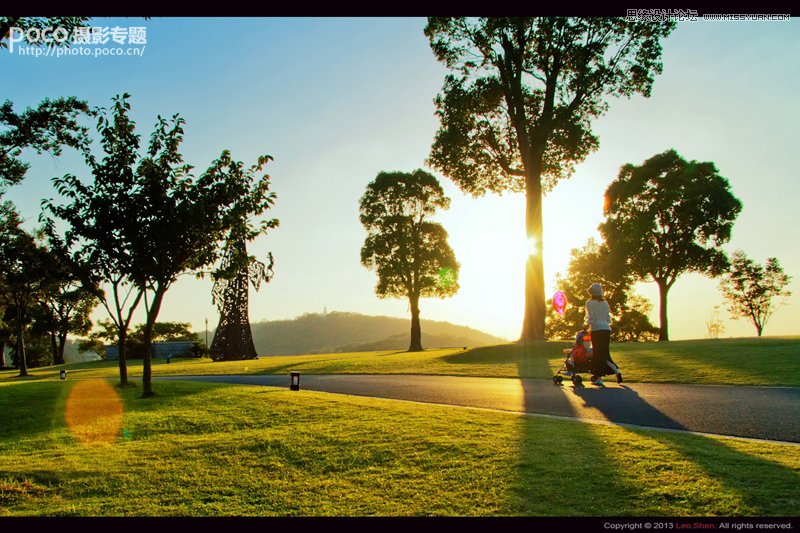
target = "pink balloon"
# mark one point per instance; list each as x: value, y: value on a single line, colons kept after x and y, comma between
x: 560, y: 302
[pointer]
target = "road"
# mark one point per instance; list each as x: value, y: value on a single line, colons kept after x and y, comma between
x: 770, y: 413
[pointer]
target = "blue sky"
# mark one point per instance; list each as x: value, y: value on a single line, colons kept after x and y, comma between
x: 337, y: 100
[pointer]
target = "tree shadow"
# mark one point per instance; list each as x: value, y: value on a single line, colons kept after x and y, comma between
x: 24, y: 410
x: 721, y: 461
x: 564, y: 468
x: 623, y: 404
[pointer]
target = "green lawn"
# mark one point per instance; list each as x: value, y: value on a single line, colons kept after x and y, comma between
x: 749, y: 361
x: 202, y: 449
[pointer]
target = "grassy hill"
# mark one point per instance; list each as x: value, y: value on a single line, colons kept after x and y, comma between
x: 350, y: 332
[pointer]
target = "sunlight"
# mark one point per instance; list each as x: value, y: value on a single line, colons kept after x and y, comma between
x: 94, y: 412
x: 531, y: 246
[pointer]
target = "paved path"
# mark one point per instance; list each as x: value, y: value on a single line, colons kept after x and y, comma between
x: 771, y: 413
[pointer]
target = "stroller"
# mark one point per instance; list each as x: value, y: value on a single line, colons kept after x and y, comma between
x: 578, y: 359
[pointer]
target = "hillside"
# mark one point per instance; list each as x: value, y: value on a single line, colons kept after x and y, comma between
x: 344, y: 332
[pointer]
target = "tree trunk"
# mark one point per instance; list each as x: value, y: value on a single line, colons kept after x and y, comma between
x: 760, y: 329
x: 23, y: 364
x: 123, y: 364
x: 416, y: 330
x: 147, y: 371
x: 2, y: 354
x: 62, y: 342
x: 54, y: 349
x: 663, y: 331
x: 533, y: 321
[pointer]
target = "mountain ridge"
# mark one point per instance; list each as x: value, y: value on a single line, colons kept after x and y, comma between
x: 338, y: 331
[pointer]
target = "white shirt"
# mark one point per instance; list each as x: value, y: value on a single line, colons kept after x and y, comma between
x: 598, y: 315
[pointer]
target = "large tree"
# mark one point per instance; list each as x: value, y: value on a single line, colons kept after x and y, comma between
x: 754, y: 291
x: 667, y: 217
x: 516, y: 114
x: 409, y: 252
x: 589, y: 265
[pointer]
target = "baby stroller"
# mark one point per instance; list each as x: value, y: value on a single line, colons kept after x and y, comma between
x: 577, y: 360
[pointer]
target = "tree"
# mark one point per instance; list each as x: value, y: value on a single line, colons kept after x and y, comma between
x: 409, y: 253
x: 101, y: 217
x: 25, y: 274
x: 667, y: 217
x: 714, y: 324
x: 516, y: 114
x: 588, y: 265
x: 47, y: 128
x: 62, y: 310
x: 186, y: 222
x: 754, y: 291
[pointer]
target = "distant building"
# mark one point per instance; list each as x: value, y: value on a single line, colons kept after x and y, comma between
x: 161, y: 350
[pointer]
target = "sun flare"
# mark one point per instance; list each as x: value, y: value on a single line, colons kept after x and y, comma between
x: 94, y: 412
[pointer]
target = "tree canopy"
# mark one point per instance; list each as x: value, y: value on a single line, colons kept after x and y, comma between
x: 516, y: 112
x: 409, y: 252
x: 667, y: 217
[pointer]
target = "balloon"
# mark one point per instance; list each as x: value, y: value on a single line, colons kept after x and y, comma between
x: 559, y: 302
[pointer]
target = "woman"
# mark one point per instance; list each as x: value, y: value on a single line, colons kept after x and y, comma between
x: 598, y: 316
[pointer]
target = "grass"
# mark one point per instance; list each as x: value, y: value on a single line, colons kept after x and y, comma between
x: 202, y: 449
x: 748, y: 361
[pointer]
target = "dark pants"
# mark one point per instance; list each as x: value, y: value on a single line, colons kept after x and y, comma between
x: 600, y: 353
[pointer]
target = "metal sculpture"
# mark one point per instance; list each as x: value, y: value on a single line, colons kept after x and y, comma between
x: 233, y: 339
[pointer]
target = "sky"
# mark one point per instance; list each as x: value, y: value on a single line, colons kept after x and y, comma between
x: 335, y: 101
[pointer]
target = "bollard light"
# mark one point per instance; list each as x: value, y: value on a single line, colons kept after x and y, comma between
x: 295, y: 381
x: 63, y: 374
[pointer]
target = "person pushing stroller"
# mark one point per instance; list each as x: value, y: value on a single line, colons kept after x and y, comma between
x: 598, y: 319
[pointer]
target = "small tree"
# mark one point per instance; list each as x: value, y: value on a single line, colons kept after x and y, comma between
x: 409, y: 253
x: 667, y: 217
x: 714, y: 324
x: 754, y: 291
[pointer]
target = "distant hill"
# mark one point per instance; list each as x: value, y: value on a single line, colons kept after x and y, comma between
x: 353, y: 332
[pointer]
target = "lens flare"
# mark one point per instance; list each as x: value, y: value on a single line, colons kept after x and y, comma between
x: 94, y: 412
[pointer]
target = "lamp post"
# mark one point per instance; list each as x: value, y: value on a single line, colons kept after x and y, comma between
x: 294, y: 383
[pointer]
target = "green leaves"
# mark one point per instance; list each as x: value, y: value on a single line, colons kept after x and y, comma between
x: 754, y: 291
x: 409, y: 253
x: 524, y: 90
x: 48, y: 127
x: 669, y: 216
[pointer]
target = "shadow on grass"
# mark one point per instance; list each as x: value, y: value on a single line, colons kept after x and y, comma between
x: 531, y: 360
x: 765, y: 487
x: 567, y: 473
x: 752, y: 479
x: 25, y: 410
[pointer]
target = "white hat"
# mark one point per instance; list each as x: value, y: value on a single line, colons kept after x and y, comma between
x: 596, y: 290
